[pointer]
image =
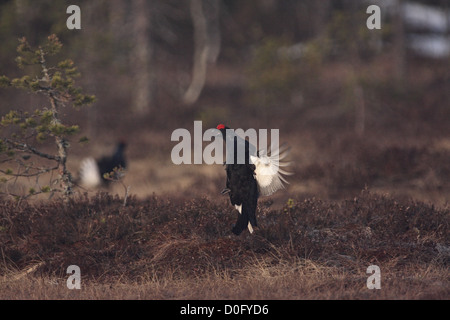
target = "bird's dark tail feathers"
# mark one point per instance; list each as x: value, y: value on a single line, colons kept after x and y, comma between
x: 246, y: 219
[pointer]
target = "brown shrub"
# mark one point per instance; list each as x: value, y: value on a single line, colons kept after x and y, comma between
x: 158, y: 235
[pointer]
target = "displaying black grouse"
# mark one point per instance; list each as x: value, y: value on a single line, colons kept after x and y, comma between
x: 256, y: 174
x: 92, y: 172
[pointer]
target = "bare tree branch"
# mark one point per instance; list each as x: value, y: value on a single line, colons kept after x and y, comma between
x: 29, y: 149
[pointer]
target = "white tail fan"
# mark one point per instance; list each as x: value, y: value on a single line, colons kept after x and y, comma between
x: 268, y: 173
x: 89, y: 173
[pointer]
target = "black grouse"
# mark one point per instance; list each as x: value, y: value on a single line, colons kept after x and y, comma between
x: 256, y: 175
x: 92, y: 172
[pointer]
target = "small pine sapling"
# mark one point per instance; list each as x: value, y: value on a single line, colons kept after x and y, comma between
x: 117, y: 176
x: 22, y: 133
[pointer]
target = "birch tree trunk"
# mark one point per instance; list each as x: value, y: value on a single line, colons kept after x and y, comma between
x: 399, y: 43
x: 141, y: 57
x: 205, y: 18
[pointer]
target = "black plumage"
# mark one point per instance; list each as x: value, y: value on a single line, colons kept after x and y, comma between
x: 116, y: 161
x: 92, y: 172
x: 241, y: 185
x: 258, y: 173
x: 243, y: 194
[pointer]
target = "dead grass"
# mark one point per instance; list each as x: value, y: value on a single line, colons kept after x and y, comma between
x: 303, y: 279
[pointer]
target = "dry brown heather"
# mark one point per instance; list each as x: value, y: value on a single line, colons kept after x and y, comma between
x: 168, y: 248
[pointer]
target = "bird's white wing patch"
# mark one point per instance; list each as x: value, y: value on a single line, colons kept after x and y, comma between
x: 268, y: 171
x: 89, y: 173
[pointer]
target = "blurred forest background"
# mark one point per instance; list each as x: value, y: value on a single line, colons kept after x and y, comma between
x: 360, y: 108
